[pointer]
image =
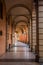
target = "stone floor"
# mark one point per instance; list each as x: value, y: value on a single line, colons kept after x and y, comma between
x: 21, y: 51
x: 18, y: 55
x: 19, y: 63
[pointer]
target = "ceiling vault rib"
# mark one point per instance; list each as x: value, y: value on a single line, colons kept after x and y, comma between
x: 19, y: 16
x: 21, y: 21
x: 19, y: 5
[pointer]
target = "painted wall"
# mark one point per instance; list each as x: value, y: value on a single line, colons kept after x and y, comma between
x: 9, y: 31
x: 3, y: 29
x: 23, y: 38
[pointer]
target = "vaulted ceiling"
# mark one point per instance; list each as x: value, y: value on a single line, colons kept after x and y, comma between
x: 19, y: 9
x: 11, y: 3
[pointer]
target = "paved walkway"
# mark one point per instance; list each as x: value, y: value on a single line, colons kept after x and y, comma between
x: 19, y: 55
x: 19, y: 51
x: 19, y: 63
